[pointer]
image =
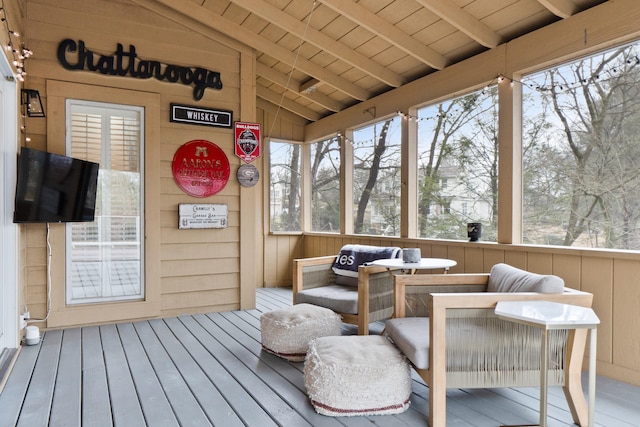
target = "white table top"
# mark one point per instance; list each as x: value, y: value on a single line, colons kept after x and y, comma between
x: 551, y: 315
x: 424, y: 264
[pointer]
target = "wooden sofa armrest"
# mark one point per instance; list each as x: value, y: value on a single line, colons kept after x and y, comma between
x: 375, y: 295
x: 446, y: 300
x: 299, y: 266
x: 439, y: 303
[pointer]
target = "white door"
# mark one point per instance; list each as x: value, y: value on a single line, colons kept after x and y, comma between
x: 8, y: 230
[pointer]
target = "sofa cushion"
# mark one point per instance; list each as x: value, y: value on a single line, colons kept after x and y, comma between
x: 339, y: 298
x: 411, y: 336
x: 352, y: 256
x: 505, y: 278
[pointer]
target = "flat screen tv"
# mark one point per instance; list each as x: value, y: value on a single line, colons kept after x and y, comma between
x: 54, y: 188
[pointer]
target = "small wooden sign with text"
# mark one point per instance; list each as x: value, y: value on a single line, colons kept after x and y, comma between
x: 200, y: 116
x: 202, y: 216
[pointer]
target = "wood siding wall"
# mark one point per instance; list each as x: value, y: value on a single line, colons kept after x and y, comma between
x: 189, y: 270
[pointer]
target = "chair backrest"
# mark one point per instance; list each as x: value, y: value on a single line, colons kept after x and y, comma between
x: 352, y: 256
x: 505, y: 278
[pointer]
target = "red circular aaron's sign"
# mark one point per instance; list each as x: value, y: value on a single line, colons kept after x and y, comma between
x: 200, y: 168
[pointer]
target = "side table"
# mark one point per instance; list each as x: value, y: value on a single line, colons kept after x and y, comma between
x: 547, y: 316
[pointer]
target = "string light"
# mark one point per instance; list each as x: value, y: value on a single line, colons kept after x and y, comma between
x: 406, y: 116
x: 21, y: 53
x: 501, y: 78
x: 603, y: 76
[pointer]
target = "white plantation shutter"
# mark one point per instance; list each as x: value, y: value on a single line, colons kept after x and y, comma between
x: 106, y: 255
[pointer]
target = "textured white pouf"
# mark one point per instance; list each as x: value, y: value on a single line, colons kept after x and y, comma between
x: 356, y: 375
x: 286, y: 332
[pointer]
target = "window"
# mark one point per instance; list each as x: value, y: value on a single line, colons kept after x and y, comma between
x: 325, y: 185
x: 581, y: 151
x: 104, y: 261
x: 458, y: 166
x: 376, y: 180
x: 285, y: 185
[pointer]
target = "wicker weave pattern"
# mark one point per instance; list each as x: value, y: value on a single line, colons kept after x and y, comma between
x: 485, y: 351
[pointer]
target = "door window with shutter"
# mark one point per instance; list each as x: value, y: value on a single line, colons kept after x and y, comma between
x: 104, y: 260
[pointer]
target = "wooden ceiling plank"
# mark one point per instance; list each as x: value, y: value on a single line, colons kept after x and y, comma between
x: 310, y: 85
x: 273, y: 109
x: 463, y: 21
x: 323, y: 101
x: 286, y: 103
x: 189, y: 14
x: 277, y: 77
x: 320, y: 40
x: 561, y: 8
x: 389, y: 32
x: 293, y: 85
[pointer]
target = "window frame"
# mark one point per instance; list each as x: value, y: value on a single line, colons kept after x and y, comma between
x: 140, y: 227
x: 304, y: 191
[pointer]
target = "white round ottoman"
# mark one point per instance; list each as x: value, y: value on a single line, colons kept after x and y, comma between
x: 356, y: 375
x: 286, y: 332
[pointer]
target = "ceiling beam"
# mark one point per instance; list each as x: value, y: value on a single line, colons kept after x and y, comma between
x: 295, y: 86
x: 310, y: 35
x: 561, y: 8
x: 463, y: 21
x: 286, y: 103
x: 381, y: 28
x: 188, y: 13
x: 275, y: 112
x: 277, y: 77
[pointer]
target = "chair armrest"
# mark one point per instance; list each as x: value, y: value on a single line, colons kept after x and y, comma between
x: 319, y: 260
x: 375, y: 295
x: 367, y: 293
x: 302, y: 265
x: 443, y: 301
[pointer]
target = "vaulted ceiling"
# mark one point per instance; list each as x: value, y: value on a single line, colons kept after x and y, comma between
x: 317, y: 57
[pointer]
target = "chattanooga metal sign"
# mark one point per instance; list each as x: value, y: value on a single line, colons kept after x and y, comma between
x: 75, y: 56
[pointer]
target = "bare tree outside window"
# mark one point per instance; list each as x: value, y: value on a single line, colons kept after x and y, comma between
x: 376, y: 193
x: 285, y: 186
x: 458, y: 166
x: 582, y: 152
x: 325, y: 186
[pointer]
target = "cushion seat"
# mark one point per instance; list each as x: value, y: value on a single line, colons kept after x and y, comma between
x: 356, y: 375
x: 411, y: 335
x: 339, y: 298
x: 508, y: 348
x: 286, y: 332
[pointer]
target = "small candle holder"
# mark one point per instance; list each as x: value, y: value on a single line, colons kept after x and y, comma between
x: 411, y: 255
x: 474, y: 231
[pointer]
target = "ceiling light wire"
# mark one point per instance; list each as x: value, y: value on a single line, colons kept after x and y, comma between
x: 293, y: 67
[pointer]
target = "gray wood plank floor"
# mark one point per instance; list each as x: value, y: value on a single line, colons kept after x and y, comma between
x: 209, y: 369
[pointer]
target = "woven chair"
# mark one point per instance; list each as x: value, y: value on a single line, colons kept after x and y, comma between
x: 446, y: 326
x: 371, y: 300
